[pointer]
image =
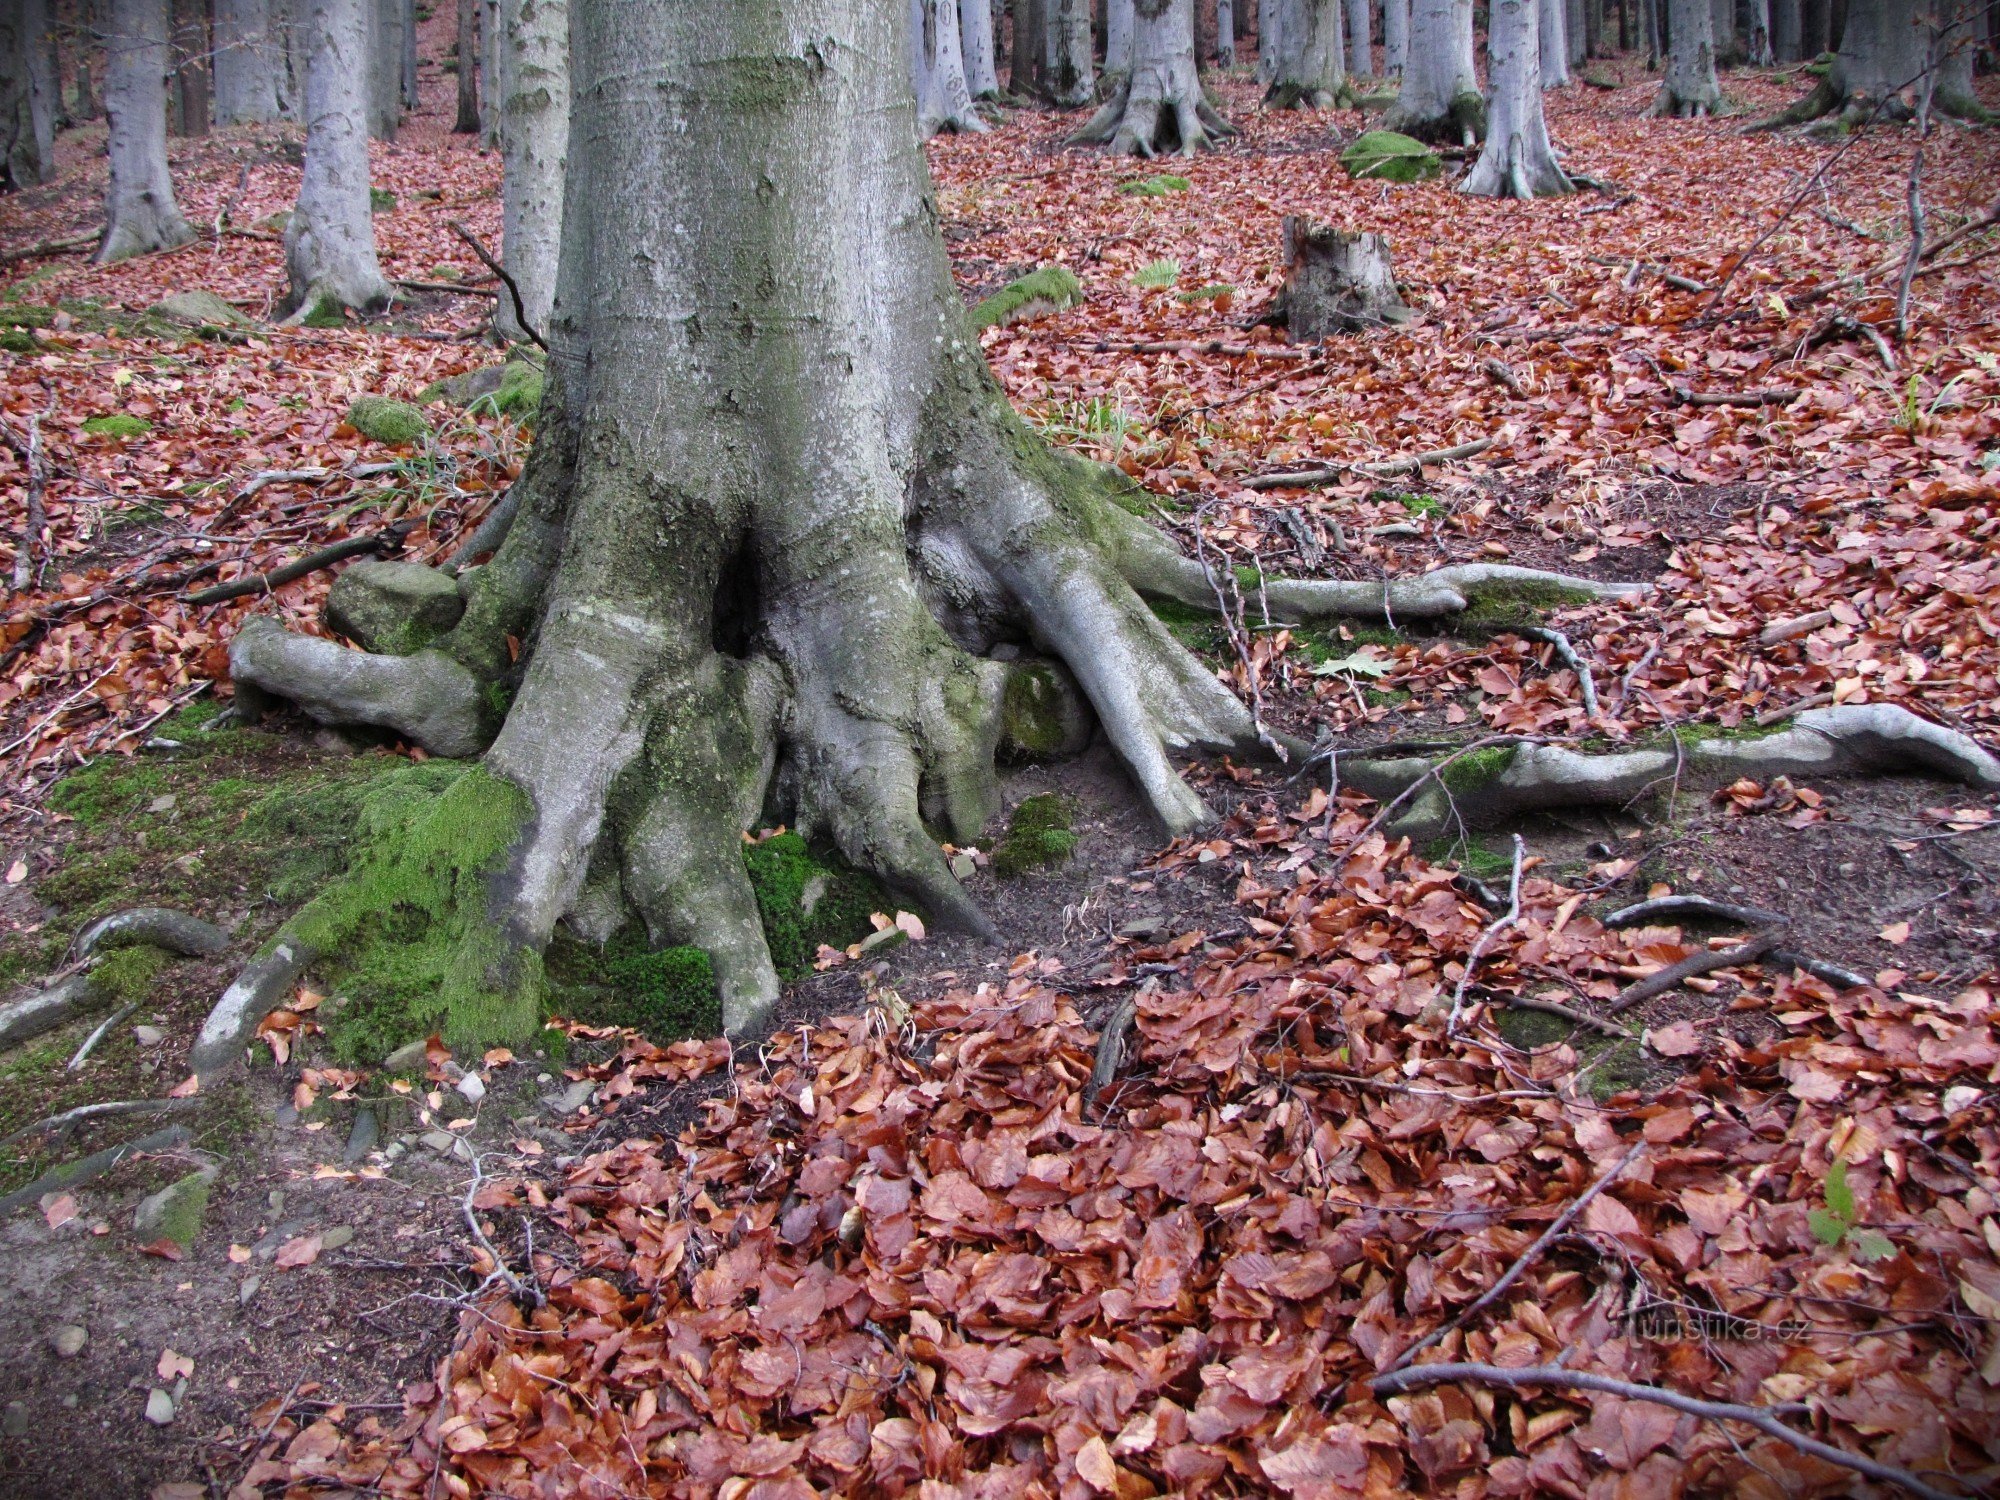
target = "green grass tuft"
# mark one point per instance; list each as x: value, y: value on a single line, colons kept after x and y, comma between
x: 1154, y: 187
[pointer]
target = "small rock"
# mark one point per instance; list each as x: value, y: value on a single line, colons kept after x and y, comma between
x: 288, y: 1113
x: 393, y: 608
x: 162, y: 803
x: 440, y: 1141
x: 275, y: 1199
x: 68, y: 1339
x: 545, y: 1078
x: 395, y: 1151
x: 176, y: 1211
x: 408, y: 1058
x: 200, y: 310
x: 335, y: 1237
x: 159, y: 1407
x: 473, y: 1087
x: 14, y: 1422
x: 148, y: 1036
x: 248, y: 1290
x: 574, y: 1097
x: 962, y: 866
x: 1149, y: 926
x: 361, y: 1140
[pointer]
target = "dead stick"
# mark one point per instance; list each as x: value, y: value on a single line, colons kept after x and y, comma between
x: 1586, y: 684
x: 312, y: 562
x: 1671, y: 908
x: 1526, y: 1258
x: 38, y: 478
x: 454, y: 288
x: 513, y: 287
x: 1200, y: 346
x: 1487, y: 934
x: 1111, y: 1047
x: 1397, y: 1381
x: 1916, y: 200
x: 97, y: 1036
x: 1695, y: 963
x: 63, y: 246
x: 1306, y: 478
x: 1574, y: 1017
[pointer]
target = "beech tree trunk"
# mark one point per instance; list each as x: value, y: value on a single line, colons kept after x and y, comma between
x: 409, y: 33
x: 1395, y: 34
x: 249, y: 58
x: 1517, y: 161
x: 1553, y: 42
x: 1270, y: 39
x: 1068, y: 78
x: 937, y: 61
x: 1722, y: 29
x: 1576, y: 31
x: 1690, y: 87
x: 466, y: 55
x: 1360, y: 39
x: 1439, y: 99
x: 1118, y: 36
x: 1308, y: 65
x: 330, y: 241
x: 188, y: 113
x: 489, y: 69
x: 1787, y: 32
x: 534, y: 133
x: 1757, y: 46
x: 1158, y: 105
x: 975, y: 37
x: 27, y: 96
x: 1956, y: 48
x: 383, y: 63
x: 140, y: 212
x: 1882, y: 56
x: 1225, y: 33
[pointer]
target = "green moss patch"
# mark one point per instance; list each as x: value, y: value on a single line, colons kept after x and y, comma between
x: 1039, y: 294
x: 326, y: 313
x: 125, y: 975
x: 1390, y: 157
x: 1039, y: 834
x: 1158, y: 186
x: 117, y: 424
x: 383, y: 420
x: 1475, y: 769
x: 381, y: 201
x: 1530, y: 1029
x: 1035, y: 722
x: 1496, y: 607
x: 1198, y: 630
x: 805, y: 901
x: 665, y: 993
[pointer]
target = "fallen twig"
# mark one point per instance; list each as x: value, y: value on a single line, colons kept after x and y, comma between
x: 81, y: 240
x: 1526, y: 1258
x: 513, y: 287
x: 98, y: 1035
x: 70, y: 1118
x: 1111, y: 1047
x: 1586, y: 684
x: 1916, y: 202
x: 1646, y: 267
x: 1569, y: 1014
x: 1307, y: 478
x: 389, y: 538
x: 1540, y: 335
x: 1486, y: 936
x: 36, y: 518
x: 514, y: 1283
x: 1819, y: 968
x: 1502, y: 374
x: 1778, y: 715
x: 1695, y: 963
x: 1395, y: 1381
x: 1200, y: 346
x: 1784, y: 630
x: 452, y: 288
x: 1673, y: 908
x: 1964, y: 231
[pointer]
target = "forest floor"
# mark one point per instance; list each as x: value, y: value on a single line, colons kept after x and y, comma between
x: 900, y: 1239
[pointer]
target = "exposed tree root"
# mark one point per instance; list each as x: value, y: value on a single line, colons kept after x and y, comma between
x: 1148, y: 114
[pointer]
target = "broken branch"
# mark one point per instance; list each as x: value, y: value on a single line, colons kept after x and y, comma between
x: 1695, y: 963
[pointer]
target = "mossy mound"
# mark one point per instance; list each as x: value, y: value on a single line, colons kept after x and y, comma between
x: 1043, y: 715
x: 1039, y: 294
x: 381, y: 419
x: 806, y: 901
x: 381, y: 201
x: 1391, y: 157
x: 326, y: 313
x: 18, y: 341
x: 662, y: 992
x: 1158, y: 186
x: 125, y: 976
x: 512, y: 389
x: 117, y: 424
x: 1039, y: 834
x: 176, y: 1212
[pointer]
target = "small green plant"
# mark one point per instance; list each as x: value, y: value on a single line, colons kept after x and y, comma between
x: 381, y: 201
x: 1215, y: 291
x: 117, y: 424
x: 1040, y: 294
x: 1157, y: 274
x: 1836, y: 1223
x: 1154, y: 187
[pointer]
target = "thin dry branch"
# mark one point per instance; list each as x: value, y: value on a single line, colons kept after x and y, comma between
x: 1491, y: 931
x: 1695, y: 963
x: 1307, y: 478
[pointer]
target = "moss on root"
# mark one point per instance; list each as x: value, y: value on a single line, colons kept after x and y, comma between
x: 125, y: 975
x: 805, y: 901
x: 664, y: 992
x: 1039, y: 834
x: 1497, y: 607
x: 1476, y: 768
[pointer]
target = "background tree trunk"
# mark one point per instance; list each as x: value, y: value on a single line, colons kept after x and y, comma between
x: 1757, y: 46
x: 534, y: 133
x: 1956, y: 48
x: 248, y: 58
x: 1882, y: 50
x: 1395, y: 34
x: 1690, y: 87
x: 191, y: 53
x: 1552, y: 42
x: 27, y: 134
x: 1593, y: 28
x: 1159, y: 105
x: 1068, y: 77
x: 1815, y: 22
x: 330, y: 241
x: 1270, y: 38
x: 975, y: 36
x: 1787, y: 32
x: 1517, y: 161
x: 1308, y: 65
x: 84, y: 41
x: 1722, y: 30
x: 944, y: 98
x: 1225, y: 33
x: 1360, y: 40
x: 409, y: 55
x: 467, y: 57
x: 489, y: 69
x: 1439, y: 99
x: 140, y: 212
x: 384, y: 66
x: 1576, y: 32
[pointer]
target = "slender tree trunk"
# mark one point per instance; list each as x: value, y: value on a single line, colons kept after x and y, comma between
x: 53, y: 61
x: 330, y: 242
x: 534, y: 132
x: 1202, y: 49
x: 1787, y: 31
x: 467, y: 58
x: 1360, y: 41
x: 1270, y: 38
x: 944, y: 98
x: 1722, y: 28
x: 191, y: 52
x: 1068, y: 75
x: 27, y: 133
x: 1439, y: 99
x: 140, y: 211
x: 1395, y: 34
x: 1758, y: 45
x: 409, y: 33
x: 1690, y: 87
x: 249, y: 58
x: 87, y: 39
x: 1024, y: 58
x: 1517, y: 160
x: 1553, y: 42
x: 1815, y: 23
x: 1593, y: 28
x: 291, y: 23
x: 1308, y: 66
x: 975, y: 34
x: 1159, y: 105
x: 1225, y: 33
x: 489, y: 69
x: 1575, y: 31
x: 384, y: 62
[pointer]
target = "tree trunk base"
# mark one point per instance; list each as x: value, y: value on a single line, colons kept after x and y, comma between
x: 1460, y: 123
x: 1152, y: 112
x: 1520, y: 170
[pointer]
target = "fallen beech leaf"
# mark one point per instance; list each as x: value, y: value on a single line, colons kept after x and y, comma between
x: 58, y: 1209
x: 1095, y: 1467
x: 1678, y: 1040
x: 165, y: 1249
x: 302, y: 1251
x: 173, y: 1366
x: 1897, y: 933
x: 17, y: 872
x: 186, y: 1088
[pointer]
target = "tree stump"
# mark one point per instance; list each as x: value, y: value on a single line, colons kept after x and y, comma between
x: 1336, y: 282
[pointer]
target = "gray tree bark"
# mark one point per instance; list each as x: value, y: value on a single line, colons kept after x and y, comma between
x: 1308, y: 63
x: 140, y: 212
x: 1787, y: 32
x: 1722, y: 29
x: 330, y: 241
x: 27, y: 99
x: 1360, y: 40
x: 1689, y: 88
x: 1270, y: 38
x: 1118, y: 36
x: 249, y: 57
x: 87, y: 37
x: 1159, y: 105
x: 1955, y: 47
x: 466, y: 56
x: 534, y: 131
x: 1576, y: 31
x: 1395, y: 34
x: 409, y: 32
x: 1225, y: 33
x: 1554, y: 43
x: 1439, y: 99
x: 384, y: 67
x: 937, y: 61
x: 1882, y: 56
x: 1517, y: 161
x: 1757, y: 45
x: 975, y: 36
x: 1068, y: 78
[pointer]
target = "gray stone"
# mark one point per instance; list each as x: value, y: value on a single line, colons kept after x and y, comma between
x: 362, y: 1138
x: 14, y: 1421
x: 573, y: 1098
x: 148, y: 1036
x: 287, y: 1113
x: 159, y: 1407
x: 200, y: 310
x: 248, y: 1290
x: 1149, y: 926
x: 335, y: 1237
x: 68, y: 1339
x: 441, y: 1141
x: 176, y: 1210
x: 408, y: 1058
x: 392, y: 608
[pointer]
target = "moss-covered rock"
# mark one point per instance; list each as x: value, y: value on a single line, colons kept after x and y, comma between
x: 392, y: 608
x: 1043, y: 713
x: 118, y: 424
x: 1039, y: 834
x: 1390, y: 157
x: 382, y: 419
x: 1476, y: 768
x: 199, y: 309
x: 176, y: 1211
x: 1039, y: 294
x: 1158, y: 186
x: 513, y: 389
x: 381, y: 201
